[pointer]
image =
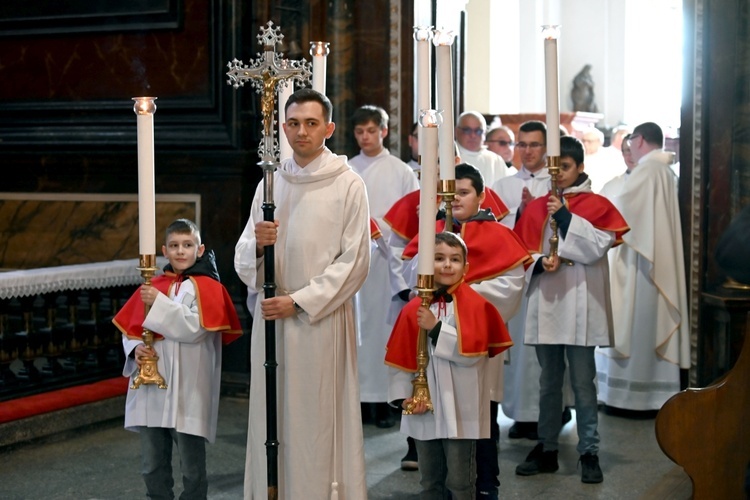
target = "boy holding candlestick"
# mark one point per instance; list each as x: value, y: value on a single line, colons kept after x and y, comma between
x: 191, y: 314
x: 498, y: 260
x: 569, y: 311
x: 463, y: 330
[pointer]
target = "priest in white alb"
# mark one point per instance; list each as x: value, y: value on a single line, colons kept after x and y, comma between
x: 322, y: 250
x: 649, y: 295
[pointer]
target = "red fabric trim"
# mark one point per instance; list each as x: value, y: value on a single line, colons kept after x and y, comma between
x: 47, y: 402
x: 494, y: 249
x: 374, y: 229
x: 215, y: 306
x: 404, y: 219
x: 596, y: 209
x: 480, y: 328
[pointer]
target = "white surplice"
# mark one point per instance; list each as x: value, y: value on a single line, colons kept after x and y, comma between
x: 378, y: 306
x: 491, y: 165
x: 571, y: 306
x: 189, y: 361
x: 520, y: 394
x: 648, y: 293
x: 322, y: 259
x: 387, y: 179
x: 459, y: 389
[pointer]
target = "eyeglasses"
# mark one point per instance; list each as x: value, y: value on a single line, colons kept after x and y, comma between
x: 504, y: 143
x: 469, y: 131
x: 632, y: 137
x: 532, y: 145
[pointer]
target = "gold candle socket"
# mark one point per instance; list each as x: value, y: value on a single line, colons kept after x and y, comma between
x: 148, y: 372
x: 447, y: 189
x: 421, y: 391
x: 553, y: 166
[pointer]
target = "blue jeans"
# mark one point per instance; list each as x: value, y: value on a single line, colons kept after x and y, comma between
x: 156, y: 463
x: 447, y: 466
x: 582, y: 373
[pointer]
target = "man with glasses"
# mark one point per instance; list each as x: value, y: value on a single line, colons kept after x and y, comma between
x: 501, y: 141
x: 648, y: 289
x: 470, y: 138
x: 521, y: 376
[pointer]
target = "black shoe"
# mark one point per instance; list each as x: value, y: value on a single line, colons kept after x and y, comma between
x: 520, y: 430
x: 566, y: 416
x: 538, y: 461
x: 591, y: 473
x: 410, y: 461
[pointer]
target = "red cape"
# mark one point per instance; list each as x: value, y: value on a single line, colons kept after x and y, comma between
x: 404, y: 221
x: 493, y: 249
x: 374, y: 229
x: 215, y: 308
x: 480, y: 328
x: 596, y: 209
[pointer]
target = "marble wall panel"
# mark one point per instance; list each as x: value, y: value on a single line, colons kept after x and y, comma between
x: 44, y: 231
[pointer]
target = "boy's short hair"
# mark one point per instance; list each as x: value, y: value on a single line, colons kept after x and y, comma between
x: 572, y: 147
x: 184, y: 226
x: 467, y: 171
x: 452, y: 240
x: 370, y: 113
x: 309, y: 95
x: 534, y: 126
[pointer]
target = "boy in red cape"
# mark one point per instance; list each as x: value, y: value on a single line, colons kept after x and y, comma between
x: 569, y: 310
x: 191, y: 315
x: 464, y: 330
x: 498, y: 261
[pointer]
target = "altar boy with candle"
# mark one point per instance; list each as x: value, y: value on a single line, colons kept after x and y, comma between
x: 498, y: 259
x: 191, y: 315
x: 569, y: 311
x: 464, y: 330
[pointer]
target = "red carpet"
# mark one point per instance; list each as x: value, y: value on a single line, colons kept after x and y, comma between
x: 16, y: 409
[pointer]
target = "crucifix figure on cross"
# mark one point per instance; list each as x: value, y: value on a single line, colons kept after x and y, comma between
x: 267, y: 74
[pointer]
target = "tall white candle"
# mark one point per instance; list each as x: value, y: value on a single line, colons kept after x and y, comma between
x: 422, y: 36
x: 285, y: 91
x: 144, y: 109
x: 552, y: 89
x: 319, y: 52
x: 443, y: 41
x: 428, y: 130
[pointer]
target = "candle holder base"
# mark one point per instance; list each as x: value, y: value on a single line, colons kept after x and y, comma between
x: 421, y: 391
x: 148, y: 372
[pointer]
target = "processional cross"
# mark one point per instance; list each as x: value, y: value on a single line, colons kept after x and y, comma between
x: 267, y: 74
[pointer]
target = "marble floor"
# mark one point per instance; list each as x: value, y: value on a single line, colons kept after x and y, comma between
x: 101, y: 462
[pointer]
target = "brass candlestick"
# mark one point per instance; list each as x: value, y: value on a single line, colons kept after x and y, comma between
x: 553, y: 166
x: 447, y: 189
x: 421, y: 391
x: 148, y: 373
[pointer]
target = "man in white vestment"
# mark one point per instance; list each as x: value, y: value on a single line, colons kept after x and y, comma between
x: 613, y: 187
x: 470, y: 134
x: 387, y: 179
x: 322, y: 255
x: 602, y: 164
x: 649, y: 295
x: 500, y: 139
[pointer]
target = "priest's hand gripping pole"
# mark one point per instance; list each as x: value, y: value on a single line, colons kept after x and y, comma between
x: 267, y: 74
